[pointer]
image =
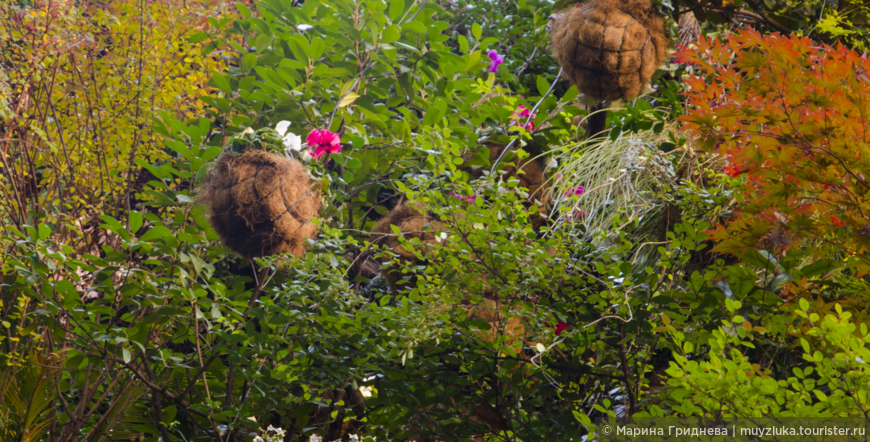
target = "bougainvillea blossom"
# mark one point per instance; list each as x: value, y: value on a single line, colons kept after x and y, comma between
x: 521, y: 115
x: 495, y: 60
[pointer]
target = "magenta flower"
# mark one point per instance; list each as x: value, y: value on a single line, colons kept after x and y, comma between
x: 559, y: 328
x: 494, y: 60
x: 577, y: 191
x: 322, y: 142
x: 464, y: 198
x: 523, y: 113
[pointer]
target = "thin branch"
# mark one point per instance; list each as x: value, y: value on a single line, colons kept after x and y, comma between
x: 532, y: 113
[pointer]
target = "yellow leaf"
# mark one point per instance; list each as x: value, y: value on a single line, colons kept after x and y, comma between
x: 348, y: 99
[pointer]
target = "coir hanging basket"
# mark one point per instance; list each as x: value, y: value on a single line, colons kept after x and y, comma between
x: 261, y: 204
x: 609, y: 48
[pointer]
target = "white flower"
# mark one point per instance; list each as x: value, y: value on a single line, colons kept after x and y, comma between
x: 552, y: 164
x: 315, y: 438
x: 281, y: 127
x: 366, y: 391
x: 248, y: 131
x: 292, y: 142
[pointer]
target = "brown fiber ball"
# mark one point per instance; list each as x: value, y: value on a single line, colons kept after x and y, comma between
x: 609, y: 48
x: 261, y: 204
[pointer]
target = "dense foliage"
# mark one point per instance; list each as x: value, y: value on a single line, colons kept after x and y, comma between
x: 701, y: 258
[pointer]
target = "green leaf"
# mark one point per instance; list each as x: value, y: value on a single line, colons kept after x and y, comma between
x: 805, y: 345
x: 476, y: 31
x: 246, y: 13
x: 221, y: 83
x: 396, y: 8
x: 317, y: 48
x: 262, y: 42
x: 542, y: 84
x: 348, y: 99
x: 134, y: 221
x: 414, y: 26
x: 353, y: 163
x: 249, y: 61
x: 391, y: 34
x: 198, y: 37
x: 463, y: 44
x: 435, y: 113
x: 155, y: 233
x: 44, y: 231
x: 125, y: 352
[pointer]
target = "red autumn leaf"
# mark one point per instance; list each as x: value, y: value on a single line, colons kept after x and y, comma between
x: 792, y: 117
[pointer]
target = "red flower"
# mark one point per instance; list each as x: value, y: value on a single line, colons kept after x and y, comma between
x: 560, y: 326
x: 322, y: 142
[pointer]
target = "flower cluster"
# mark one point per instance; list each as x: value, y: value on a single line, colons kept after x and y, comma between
x: 322, y: 142
x: 521, y: 115
x: 272, y: 435
x: 495, y: 60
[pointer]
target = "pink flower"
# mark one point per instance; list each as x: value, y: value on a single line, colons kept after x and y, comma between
x: 464, y: 198
x: 495, y: 60
x: 578, y: 214
x: 523, y: 113
x: 577, y: 191
x: 322, y: 142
